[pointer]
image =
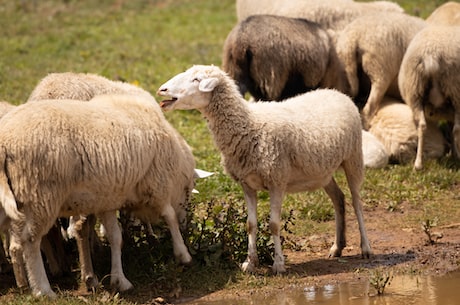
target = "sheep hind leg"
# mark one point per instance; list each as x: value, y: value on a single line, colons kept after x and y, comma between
x: 180, y: 250
x: 338, y: 199
x: 82, y: 227
x: 354, y: 180
x: 252, y: 261
x: 373, y: 102
x: 276, y: 200
x: 456, y: 136
x: 117, y: 278
x: 17, y: 258
x: 419, y: 116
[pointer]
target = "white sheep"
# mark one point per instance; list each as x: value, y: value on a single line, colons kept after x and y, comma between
x: 332, y: 14
x: 83, y: 87
x: 446, y: 14
x: 377, y: 54
x: 78, y: 158
x: 290, y: 146
x: 290, y: 56
x: 374, y: 153
x: 393, y: 125
x: 428, y: 80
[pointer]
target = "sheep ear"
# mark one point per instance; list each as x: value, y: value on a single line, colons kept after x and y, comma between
x: 208, y: 84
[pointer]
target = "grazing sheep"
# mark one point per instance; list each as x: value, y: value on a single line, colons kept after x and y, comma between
x: 393, y: 125
x: 81, y: 86
x: 331, y: 14
x: 428, y: 80
x: 289, y: 56
x: 375, y: 54
x: 374, y: 153
x: 446, y: 14
x: 290, y: 146
x: 110, y: 153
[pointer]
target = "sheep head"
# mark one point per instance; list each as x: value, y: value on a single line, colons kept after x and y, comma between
x: 190, y: 89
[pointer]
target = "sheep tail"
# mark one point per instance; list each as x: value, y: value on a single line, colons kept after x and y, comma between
x: 431, y: 65
x: 351, y: 59
x: 7, y: 199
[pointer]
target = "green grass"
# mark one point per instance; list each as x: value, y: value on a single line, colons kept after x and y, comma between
x: 147, y: 42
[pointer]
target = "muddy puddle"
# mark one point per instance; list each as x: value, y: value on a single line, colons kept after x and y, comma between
x: 403, y: 290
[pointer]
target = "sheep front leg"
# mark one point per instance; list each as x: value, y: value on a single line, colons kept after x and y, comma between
x: 180, y: 250
x: 113, y: 231
x: 17, y: 258
x: 338, y: 199
x: 276, y: 201
x: 252, y: 261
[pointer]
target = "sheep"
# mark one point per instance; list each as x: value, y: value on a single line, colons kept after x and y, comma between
x: 446, y: 14
x: 289, y: 146
x: 375, y: 54
x: 394, y: 126
x: 85, y: 86
x: 374, y: 153
x: 81, y: 86
x: 110, y: 153
x: 428, y: 80
x: 290, y: 56
x: 332, y: 14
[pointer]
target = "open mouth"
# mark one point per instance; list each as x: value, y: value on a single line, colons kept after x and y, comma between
x: 167, y: 103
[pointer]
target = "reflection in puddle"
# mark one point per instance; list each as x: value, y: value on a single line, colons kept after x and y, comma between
x: 403, y: 290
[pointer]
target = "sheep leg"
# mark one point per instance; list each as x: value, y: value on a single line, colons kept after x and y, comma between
x: 456, y: 135
x: 338, y: 199
x: 82, y: 227
x: 180, y: 250
x: 17, y: 258
x: 252, y: 261
x: 373, y: 102
x: 31, y: 240
x: 276, y: 200
x: 113, y: 231
x: 354, y: 183
x: 420, y: 121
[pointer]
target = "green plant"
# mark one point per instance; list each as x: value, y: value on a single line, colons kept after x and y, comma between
x: 379, y: 279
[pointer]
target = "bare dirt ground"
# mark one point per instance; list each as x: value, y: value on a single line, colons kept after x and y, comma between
x: 398, y: 241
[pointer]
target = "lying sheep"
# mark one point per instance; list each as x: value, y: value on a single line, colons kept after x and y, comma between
x: 331, y: 14
x: 428, y: 80
x: 110, y: 153
x: 394, y: 126
x: 377, y: 54
x: 374, y: 153
x: 291, y: 146
x: 290, y: 56
x: 446, y: 14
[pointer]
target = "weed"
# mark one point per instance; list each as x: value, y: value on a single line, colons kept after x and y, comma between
x: 379, y: 279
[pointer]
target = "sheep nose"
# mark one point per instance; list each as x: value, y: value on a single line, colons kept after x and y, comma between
x: 162, y: 91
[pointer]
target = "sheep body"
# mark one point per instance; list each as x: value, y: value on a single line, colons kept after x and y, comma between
x: 377, y: 53
x: 290, y: 56
x: 446, y: 14
x: 110, y: 153
x: 428, y: 80
x: 332, y: 14
x: 291, y: 146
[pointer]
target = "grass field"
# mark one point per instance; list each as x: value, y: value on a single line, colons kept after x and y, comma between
x: 145, y: 43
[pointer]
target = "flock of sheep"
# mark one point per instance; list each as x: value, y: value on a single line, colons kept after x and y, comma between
x: 310, y: 66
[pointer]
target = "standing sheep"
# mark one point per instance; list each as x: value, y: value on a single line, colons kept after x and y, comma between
x: 375, y: 54
x: 428, y: 80
x: 291, y: 146
x: 331, y: 14
x: 83, y: 87
x: 446, y: 14
x: 275, y: 57
x: 110, y: 153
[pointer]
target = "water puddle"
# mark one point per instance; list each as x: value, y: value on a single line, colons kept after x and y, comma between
x: 403, y: 290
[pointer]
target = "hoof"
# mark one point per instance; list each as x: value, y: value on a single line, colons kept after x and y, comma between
x: 278, y: 268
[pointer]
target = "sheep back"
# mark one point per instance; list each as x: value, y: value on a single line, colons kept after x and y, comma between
x: 446, y: 14
x: 275, y: 57
x: 71, y: 158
